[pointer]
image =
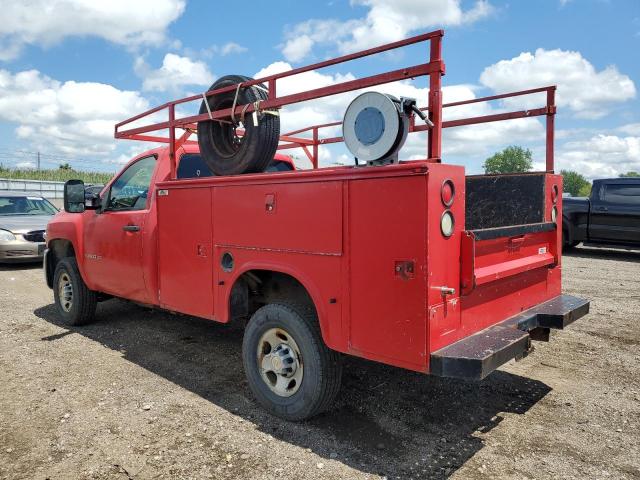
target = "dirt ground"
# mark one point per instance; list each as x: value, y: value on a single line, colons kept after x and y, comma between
x: 143, y: 394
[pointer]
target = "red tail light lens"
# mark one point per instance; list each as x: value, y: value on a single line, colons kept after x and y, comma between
x: 447, y: 192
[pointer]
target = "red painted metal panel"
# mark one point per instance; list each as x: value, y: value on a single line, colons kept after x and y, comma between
x: 319, y: 274
x: 387, y: 263
x: 503, y: 276
x: 290, y: 217
x: 113, y: 257
x: 185, y: 251
x: 495, y: 301
x: 509, y: 268
x: 489, y: 253
x: 554, y: 182
x: 444, y: 252
x: 551, y: 107
x: 444, y: 323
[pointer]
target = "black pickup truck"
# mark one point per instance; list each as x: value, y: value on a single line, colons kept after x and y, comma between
x: 610, y: 216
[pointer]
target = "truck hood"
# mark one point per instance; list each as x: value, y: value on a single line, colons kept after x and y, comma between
x: 24, y: 223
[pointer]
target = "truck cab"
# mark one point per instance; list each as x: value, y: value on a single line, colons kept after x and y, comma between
x: 115, y: 238
x: 610, y: 216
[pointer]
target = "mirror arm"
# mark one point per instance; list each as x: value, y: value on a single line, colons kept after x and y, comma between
x: 93, y: 202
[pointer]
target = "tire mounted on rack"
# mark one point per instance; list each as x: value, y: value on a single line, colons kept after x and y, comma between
x: 222, y: 150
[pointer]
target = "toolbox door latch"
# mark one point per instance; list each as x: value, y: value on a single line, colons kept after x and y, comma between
x: 270, y: 202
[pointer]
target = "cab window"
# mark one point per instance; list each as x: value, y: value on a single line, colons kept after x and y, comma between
x: 622, y: 194
x: 193, y: 166
x: 131, y: 189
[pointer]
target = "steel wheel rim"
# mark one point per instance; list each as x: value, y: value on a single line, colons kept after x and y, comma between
x: 280, y: 362
x: 65, y: 292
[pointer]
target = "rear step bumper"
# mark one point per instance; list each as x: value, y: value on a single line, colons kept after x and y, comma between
x: 478, y: 355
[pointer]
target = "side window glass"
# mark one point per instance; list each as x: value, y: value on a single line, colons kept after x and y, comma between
x: 193, y: 166
x: 131, y: 189
x: 622, y: 194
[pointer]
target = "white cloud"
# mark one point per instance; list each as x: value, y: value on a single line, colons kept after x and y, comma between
x: 588, y: 93
x: 600, y: 155
x: 306, y: 114
x: 297, y: 48
x: 223, y: 50
x: 231, y: 47
x: 175, y: 72
x: 631, y: 129
x: 47, y: 22
x: 75, y: 118
x: 386, y: 21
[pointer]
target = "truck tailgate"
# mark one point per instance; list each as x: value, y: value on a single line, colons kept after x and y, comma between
x: 509, y: 254
x: 497, y: 253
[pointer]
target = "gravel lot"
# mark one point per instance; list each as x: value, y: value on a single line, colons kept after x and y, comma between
x: 144, y: 394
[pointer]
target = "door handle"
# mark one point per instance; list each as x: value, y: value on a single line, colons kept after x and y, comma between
x: 131, y: 228
x: 602, y: 209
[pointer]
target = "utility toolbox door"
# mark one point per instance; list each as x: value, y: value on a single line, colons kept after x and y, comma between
x: 185, y: 250
x: 387, y: 282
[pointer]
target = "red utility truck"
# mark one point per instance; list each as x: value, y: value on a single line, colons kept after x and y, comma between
x: 409, y: 263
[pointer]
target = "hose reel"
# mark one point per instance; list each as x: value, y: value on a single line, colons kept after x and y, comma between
x: 375, y: 126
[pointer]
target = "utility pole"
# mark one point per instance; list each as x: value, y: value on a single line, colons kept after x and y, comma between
x: 38, y: 162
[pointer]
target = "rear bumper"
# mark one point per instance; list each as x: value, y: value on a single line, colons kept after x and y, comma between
x: 478, y: 355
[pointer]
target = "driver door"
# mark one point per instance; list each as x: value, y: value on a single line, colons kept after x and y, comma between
x: 113, y: 236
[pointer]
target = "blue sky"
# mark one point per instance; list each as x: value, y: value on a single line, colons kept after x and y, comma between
x: 68, y: 74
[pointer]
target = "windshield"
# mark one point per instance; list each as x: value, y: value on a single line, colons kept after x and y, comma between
x: 26, y: 205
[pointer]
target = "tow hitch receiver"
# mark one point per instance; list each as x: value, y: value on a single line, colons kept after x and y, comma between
x: 476, y: 356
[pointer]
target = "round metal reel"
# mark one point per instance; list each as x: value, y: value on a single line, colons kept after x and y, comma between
x: 371, y: 126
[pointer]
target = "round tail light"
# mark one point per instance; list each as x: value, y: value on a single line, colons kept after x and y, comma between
x: 447, y: 223
x: 447, y: 192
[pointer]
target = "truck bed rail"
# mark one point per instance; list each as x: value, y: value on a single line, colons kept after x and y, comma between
x: 434, y: 68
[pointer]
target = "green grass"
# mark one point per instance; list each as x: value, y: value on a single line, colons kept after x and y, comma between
x: 57, y: 175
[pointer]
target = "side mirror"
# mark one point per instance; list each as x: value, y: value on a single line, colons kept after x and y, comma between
x: 74, y: 196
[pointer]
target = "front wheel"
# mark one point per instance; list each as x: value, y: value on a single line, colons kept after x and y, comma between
x: 76, y: 303
x: 290, y: 370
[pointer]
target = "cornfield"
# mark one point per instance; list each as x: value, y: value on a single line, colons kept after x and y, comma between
x: 55, y: 175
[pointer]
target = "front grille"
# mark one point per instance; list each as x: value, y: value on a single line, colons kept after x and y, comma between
x: 34, y: 236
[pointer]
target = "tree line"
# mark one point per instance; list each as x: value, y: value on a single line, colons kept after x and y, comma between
x: 515, y: 159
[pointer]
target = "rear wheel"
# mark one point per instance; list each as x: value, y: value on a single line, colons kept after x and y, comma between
x: 290, y: 370
x: 75, y: 302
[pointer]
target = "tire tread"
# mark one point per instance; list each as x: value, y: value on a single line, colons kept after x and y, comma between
x: 87, y: 299
x: 330, y: 371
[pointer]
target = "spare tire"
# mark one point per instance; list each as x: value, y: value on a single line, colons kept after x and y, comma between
x: 223, y: 151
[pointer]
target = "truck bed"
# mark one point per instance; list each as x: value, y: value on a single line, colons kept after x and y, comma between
x: 367, y: 246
